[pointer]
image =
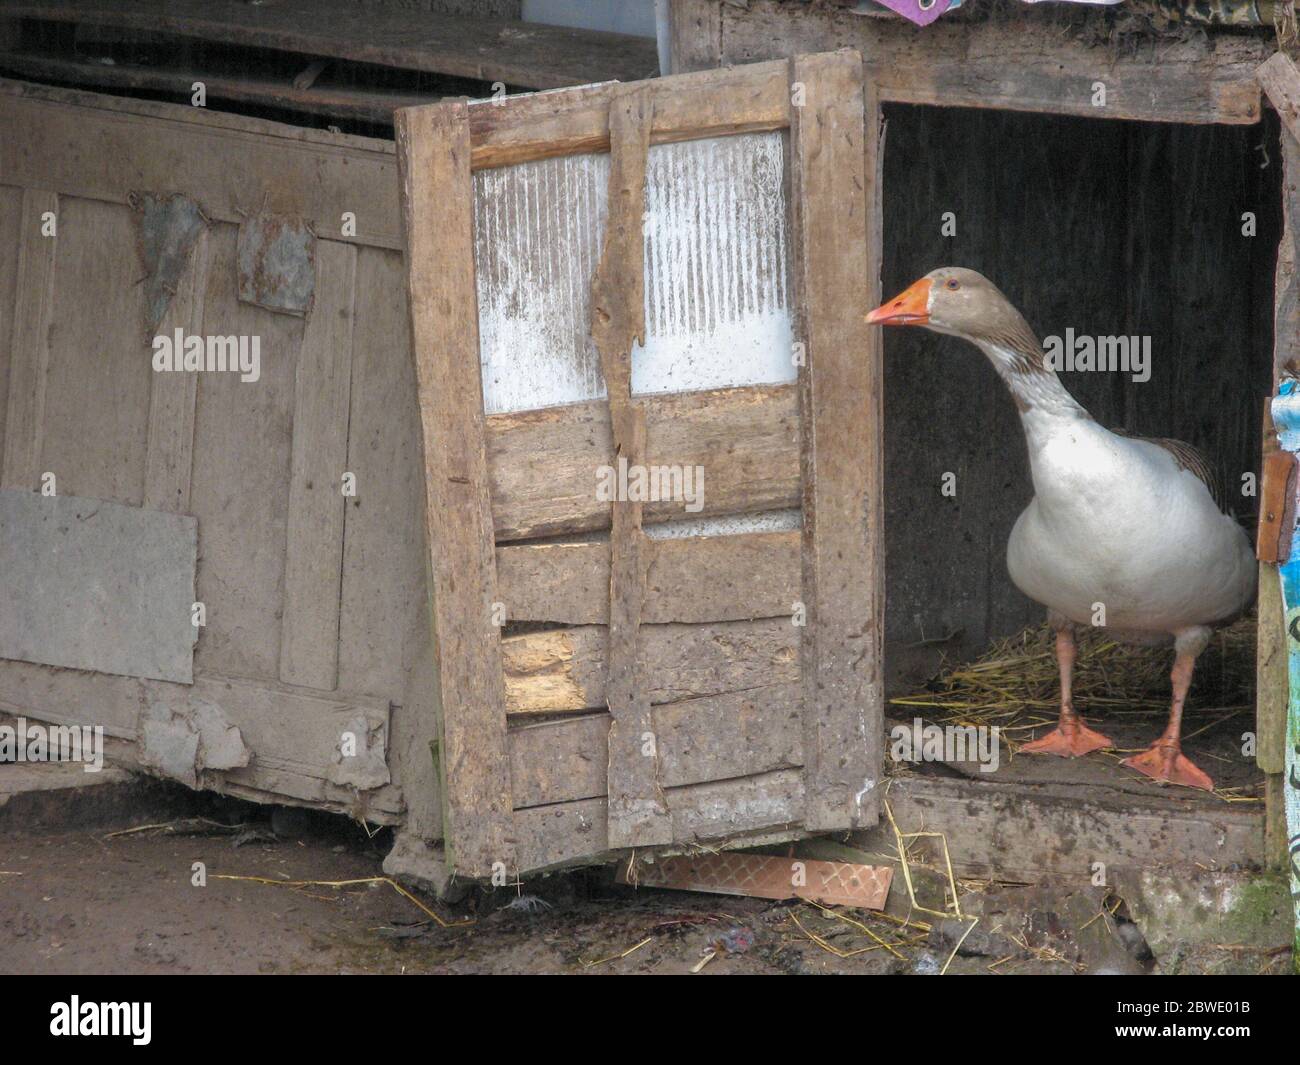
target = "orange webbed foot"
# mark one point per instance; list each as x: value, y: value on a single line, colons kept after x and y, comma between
x: 1070, y: 739
x: 1164, y: 762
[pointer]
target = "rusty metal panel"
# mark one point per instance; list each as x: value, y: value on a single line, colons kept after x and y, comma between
x: 168, y: 229
x: 277, y: 263
x: 765, y: 877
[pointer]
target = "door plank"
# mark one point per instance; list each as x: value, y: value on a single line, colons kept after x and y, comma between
x: 689, y: 579
x: 543, y: 462
x: 313, y: 569
x: 29, y: 343
x: 433, y: 153
x: 169, y: 454
x: 834, y: 194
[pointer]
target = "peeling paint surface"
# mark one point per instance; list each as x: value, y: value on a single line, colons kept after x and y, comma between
x: 717, y: 286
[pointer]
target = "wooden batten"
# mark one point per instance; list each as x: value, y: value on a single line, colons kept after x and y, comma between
x: 713, y: 103
x: 434, y: 153
x: 692, y: 579
x: 543, y: 463
x: 637, y: 814
x: 1281, y: 82
x: 841, y: 392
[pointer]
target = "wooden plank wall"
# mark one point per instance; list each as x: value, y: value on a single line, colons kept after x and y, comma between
x: 315, y: 602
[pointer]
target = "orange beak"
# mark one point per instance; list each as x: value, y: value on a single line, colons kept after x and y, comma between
x: 907, y: 308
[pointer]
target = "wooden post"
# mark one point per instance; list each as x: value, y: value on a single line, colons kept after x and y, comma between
x: 833, y: 147
x: 695, y: 35
x: 1281, y: 82
x: 434, y: 159
x: 638, y: 816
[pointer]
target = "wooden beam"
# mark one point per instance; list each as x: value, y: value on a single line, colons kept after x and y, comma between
x: 1281, y: 82
x: 543, y: 463
x: 433, y: 150
x: 637, y: 814
x: 692, y: 579
x: 1029, y: 834
x: 30, y: 341
x: 713, y: 103
x: 563, y: 670
x: 283, y: 169
x: 1025, y: 64
x: 313, y: 567
x: 833, y: 151
x: 526, y: 54
x: 334, y: 101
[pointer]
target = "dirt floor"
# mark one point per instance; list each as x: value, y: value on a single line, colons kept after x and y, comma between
x: 100, y: 901
x: 112, y: 901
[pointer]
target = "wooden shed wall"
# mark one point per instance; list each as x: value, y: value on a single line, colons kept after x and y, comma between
x: 316, y: 604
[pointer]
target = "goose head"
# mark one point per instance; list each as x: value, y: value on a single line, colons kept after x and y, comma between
x: 964, y: 303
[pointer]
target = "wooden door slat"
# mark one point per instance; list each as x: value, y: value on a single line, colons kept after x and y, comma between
x: 834, y: 178
x: 434, y: 156
x: 313, y: 568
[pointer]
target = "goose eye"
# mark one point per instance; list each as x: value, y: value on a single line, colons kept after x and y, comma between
x: 954, y: 284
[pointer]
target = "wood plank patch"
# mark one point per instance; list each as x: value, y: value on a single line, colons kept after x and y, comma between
x: 772, y: 803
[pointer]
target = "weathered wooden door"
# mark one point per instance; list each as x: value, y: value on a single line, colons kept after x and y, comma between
x: 652, y: 415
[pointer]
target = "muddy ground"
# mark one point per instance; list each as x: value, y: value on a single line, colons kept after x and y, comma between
x: 104, y: 901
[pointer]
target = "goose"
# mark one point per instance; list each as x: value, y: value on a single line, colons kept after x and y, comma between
x: 1124, y: 533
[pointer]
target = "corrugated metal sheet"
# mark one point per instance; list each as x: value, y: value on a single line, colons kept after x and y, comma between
x: 717, y: 292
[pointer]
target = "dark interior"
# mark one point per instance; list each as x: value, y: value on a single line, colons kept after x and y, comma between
x: 1109, y: 227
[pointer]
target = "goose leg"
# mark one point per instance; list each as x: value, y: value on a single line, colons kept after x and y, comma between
x: 1072, y: 737
x: 1164, y: 759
